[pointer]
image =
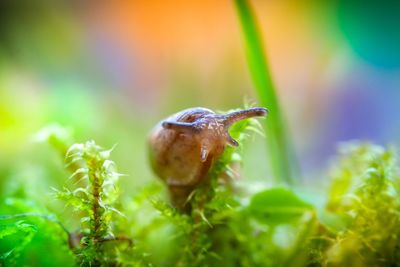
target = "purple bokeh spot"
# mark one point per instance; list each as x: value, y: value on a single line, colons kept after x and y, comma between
x: 362, y: 108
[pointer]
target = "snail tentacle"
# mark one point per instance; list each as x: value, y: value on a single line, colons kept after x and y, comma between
x: 179, y: 126
x: 236, y: 116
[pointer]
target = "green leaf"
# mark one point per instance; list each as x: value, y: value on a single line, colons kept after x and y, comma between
x: 277, y: 206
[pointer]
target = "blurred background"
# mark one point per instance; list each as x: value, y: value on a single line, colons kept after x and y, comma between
x: 110, y: 70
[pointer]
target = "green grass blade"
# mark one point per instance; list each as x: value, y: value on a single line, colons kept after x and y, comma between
x: 277, y: 140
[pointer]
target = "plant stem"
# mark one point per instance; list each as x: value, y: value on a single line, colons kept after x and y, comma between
x: 95, y: 229
x: 280, y: 151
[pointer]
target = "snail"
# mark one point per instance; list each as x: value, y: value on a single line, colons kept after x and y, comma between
x: 184, y: 146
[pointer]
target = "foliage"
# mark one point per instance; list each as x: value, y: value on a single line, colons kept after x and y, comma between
x: 229, y: 224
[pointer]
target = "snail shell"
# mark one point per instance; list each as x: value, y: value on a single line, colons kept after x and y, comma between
x: 184, y: 146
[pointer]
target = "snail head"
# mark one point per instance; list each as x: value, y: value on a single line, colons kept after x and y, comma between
x: 211, y: 130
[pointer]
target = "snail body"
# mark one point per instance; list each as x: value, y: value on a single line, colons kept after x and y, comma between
x: 184, y: 146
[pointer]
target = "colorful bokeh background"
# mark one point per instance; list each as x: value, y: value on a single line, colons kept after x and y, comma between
x: 110, y: 70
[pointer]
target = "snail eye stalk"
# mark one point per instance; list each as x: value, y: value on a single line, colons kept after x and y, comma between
x: 236, y: 116
x: 180, y: 126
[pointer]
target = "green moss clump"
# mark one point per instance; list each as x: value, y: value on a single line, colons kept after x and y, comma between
x: 365, y: 198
